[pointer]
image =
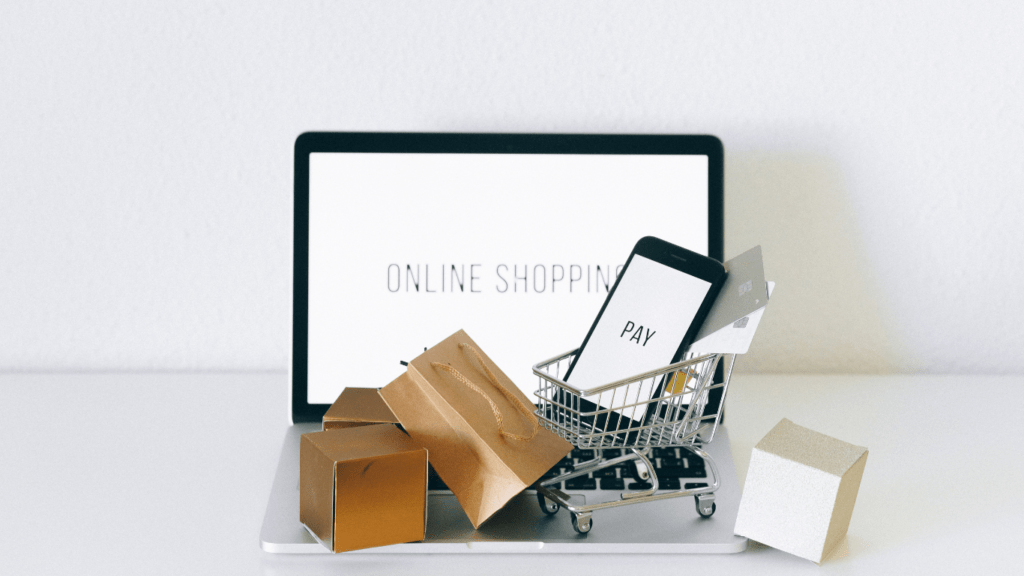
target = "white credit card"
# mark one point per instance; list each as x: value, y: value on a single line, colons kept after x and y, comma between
x: 734, y: 338
x: 739, y: 295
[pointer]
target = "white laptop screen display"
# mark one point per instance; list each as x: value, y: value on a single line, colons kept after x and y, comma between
x: 518, y: 250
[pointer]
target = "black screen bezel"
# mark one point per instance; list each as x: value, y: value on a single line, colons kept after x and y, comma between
x: 468, y: 143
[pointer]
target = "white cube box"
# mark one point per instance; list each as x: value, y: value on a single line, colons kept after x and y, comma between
x: 800, y: 490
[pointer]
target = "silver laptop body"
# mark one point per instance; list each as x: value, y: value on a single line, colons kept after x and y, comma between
x: 665, y: 526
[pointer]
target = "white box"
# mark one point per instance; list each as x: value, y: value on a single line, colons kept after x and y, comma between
x: 800, y: 490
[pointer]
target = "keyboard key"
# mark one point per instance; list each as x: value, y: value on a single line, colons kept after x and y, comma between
x: 669, y: 453
x: 612, y: 484
x: 692, y: 485
x: 667, y: 463
x: 626, y: 470
x: 581, y: 483
x: 671, y: 460
x: 694, y: 461
x: 612, y: 453
x: 696, y: 473
x: 604, y: 472
x: 640, y: 486
x: 668, y: 483
x: 672, y: 472
x: 693, y: 473
x: 581, y: 454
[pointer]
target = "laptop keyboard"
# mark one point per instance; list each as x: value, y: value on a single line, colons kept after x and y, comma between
x: 674, y: 466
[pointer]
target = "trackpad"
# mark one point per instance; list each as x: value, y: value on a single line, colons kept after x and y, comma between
x: 521, y: 520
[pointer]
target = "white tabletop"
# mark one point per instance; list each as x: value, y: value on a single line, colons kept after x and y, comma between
x: 170, y: 473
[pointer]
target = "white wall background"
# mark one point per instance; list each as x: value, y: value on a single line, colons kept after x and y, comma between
x: 874, y: 149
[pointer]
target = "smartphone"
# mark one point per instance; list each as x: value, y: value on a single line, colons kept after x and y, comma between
x: 650, y: 317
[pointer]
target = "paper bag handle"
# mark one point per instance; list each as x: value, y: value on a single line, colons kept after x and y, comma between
x: 494, y: 407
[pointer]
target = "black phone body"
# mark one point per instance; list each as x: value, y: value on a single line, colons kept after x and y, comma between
x: 657, y: 292
x: 674, y: 258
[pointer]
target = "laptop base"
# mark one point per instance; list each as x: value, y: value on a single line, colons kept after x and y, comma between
x: 667, y: 526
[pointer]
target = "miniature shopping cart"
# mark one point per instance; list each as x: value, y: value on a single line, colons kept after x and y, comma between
x: 678, y: 405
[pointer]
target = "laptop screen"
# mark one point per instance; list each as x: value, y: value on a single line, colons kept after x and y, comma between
x: 518, y: 249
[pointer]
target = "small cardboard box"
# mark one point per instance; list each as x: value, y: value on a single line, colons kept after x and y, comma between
x: 358, y: 407
x: 363, y: 487
x: 800, y: 490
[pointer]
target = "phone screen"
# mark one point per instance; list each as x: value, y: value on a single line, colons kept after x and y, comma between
x: 642, y: 325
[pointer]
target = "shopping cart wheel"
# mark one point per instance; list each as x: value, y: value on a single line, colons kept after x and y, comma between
x: 550, y: 508
x: 582, y: 523
x: 706, y: 506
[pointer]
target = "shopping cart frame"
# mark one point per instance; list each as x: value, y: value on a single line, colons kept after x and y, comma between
x: 680, y: 420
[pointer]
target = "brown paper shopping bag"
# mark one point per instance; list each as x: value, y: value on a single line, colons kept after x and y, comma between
x: 483, y: 438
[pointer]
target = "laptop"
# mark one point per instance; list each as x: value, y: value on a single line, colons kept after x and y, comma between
x: 403, y: 238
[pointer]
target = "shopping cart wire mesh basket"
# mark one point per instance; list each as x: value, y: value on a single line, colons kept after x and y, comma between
x: 678, y: 405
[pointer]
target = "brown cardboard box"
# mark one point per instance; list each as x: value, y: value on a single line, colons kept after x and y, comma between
x: 363, y: 487
x: 358, y: 407
x: 484, y: 440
